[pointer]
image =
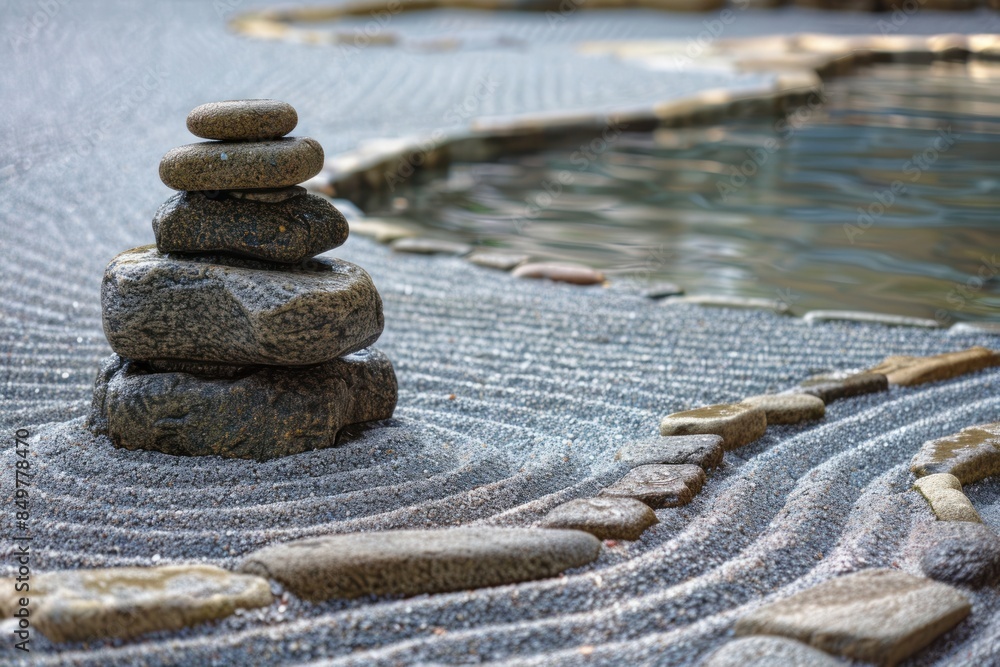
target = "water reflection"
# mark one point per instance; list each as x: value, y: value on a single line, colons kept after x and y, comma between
x: 884, y: 199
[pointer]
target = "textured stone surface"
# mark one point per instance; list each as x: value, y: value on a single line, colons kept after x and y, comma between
x: 943, y: 493
x: 561, y: 273
x: 288, y: 231
x: 881, y: 616
x: 411, y: 562
x: 769, y: 652
x: 425, y: 246
x: 970, y: 455
x: 908, y: 371
x: 659, y: 485
x: 835, y: 386
x: 956, y: 552
x: 81, y: 605
x: 242, y: 120
x: 267, y: 413
x: 268, y: 195
x: 232, y: 311
x: 700, y: 450
x: 232, y: 165
x: 606, y: 518
x: 499, y: 261
x: 788, y: 408
x: 738, y: 425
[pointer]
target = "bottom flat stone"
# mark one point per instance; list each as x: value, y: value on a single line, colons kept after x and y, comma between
x: 267, y: 413
x: 80, y: 605
x: 659, y: 485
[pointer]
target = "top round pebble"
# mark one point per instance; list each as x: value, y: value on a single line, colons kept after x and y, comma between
x: 242, y: 120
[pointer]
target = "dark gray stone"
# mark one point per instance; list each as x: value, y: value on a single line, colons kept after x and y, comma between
x: 233, y: 165
x: 834, y: 386
x: 242, y: 120
x: 956, y: 552
x: 287, y: 231
x: 269, y: 195
x: 267, y: 413
x: 412, y: 562
x: 606, y: 518
x: 700, y: 450
x: 226, y: 310
x: 659, y: 485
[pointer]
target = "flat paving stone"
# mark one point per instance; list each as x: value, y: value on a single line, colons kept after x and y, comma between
x: 835, y: 386
x: 970, y: 455
x: 227, y: 310
x: 575, y: 274
x: 606, y: 518
x: 943, y: 492
x: 423, y: 246
x: 881, y: 616
x: 382, y: 231
x: 659, y: 485
x: 909, y: 371
x: 262, y: 413
x: 788, y: 408
x: 242, y: 120
x: 413, y: 562
x: 125, y: 602
x: 956, y: 552
x: 769, y: 652
x: 498, y: 261
x: 290, y: 230
x: 235, y: 165
x: 700, y: 450
x: 738, y: 424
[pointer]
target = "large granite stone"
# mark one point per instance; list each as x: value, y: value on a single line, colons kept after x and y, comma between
x: 231, y: 165
x: 242, y: 120
x: 738, y: 424
x: 943, y: 492
x: 237, y: 311
x: 956, y: 552
x: 605, y: 518
x: 659, y: 485
x: 908, y: 371
x: 970, y: 455
x: 290, y: 231
x: 788, y: 408
x: 700, y: 450
x: 769, y: 652
x: 82, y: 605
x: 412, y: 562
x: 880, y: 616
x: 264, y: 414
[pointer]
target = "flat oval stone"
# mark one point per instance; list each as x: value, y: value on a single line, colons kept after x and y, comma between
x: 124, y: 602
x: 227, y: 165
x: 788, y: 408
x: 260, y: 413
x: 575, y: 274
x: 226, y: 310
x: 412, y: 562
x: 242, y: 120
x: 606, y: 518
x: 956, y: 552
x: 289, y: 231
x: 835, y: 386
x: 659, y: 485
x: 908, y: 371
x: 700, y: 450
x: 425, y: 246
x: 738, y: 424
x: 970, y: 455
x: 943, y: 492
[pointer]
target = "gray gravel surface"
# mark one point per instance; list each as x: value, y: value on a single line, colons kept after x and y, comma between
x: 549, y: 381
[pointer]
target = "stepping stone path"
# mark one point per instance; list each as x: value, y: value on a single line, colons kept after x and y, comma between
x: 909, y: 371
x: 788, y: 408
x: 606, y: 518
x: 769, y: 652
x: 700, y: 450
x: 239, y: 343
x: 970, y: 455
x: 420, y: 246
x: 880, y: 616
x: 738, y: 424
x: 835, y: 386
x: 495, y: 260
x: 659, y: 485
x: 575, y: 274
x: 80, y: 605
x: 944, y: 494
x: 956, y: 552
x: 412, y: 562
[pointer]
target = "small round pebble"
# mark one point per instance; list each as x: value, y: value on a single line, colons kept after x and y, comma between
x: 242, y: 120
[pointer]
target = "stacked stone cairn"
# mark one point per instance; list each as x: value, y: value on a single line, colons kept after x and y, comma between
x: 230, y: 337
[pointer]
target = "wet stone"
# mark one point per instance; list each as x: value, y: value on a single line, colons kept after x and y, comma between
x: 788, y: 408
x: 909, y: 371
x: 943, y: 493
x: 835, y: 386
x: 769, y: 652
x: 423, y: 246
x: 606, y: 518
x: 229, y: 165
x: 956, y: 552
x: 574, y: 274
x: 413, y: 562
x: 288, y: 231
x: 242, y: 120
x: 659, y: 485
x: 970, y: 455
x: 235, y: 311
x: 83, y: 605
x: 880, y: 616
x: 738, y: 424
x: 263, y: 414
x: 700, y: 450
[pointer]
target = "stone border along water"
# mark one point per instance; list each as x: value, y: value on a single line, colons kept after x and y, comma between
x: 800, y: 64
